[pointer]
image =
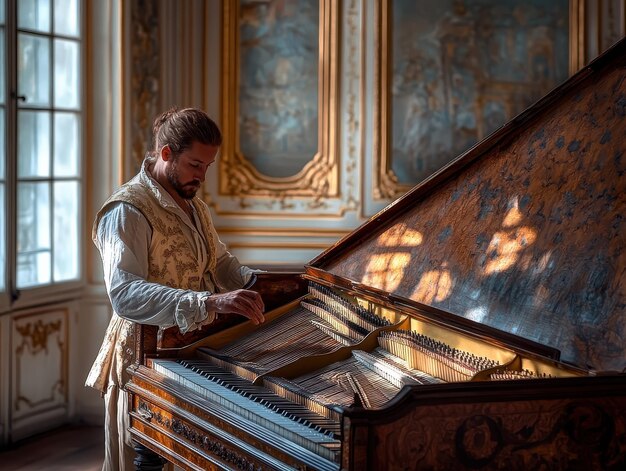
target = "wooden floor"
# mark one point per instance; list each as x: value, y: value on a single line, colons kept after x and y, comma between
x: 70, y: 448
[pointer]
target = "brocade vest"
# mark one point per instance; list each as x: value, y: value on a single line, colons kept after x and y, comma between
x: 172, y: 262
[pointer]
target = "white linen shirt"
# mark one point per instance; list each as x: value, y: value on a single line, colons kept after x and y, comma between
x: 123, y: 238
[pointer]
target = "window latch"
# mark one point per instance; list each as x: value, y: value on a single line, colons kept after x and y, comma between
x: 18, y: 97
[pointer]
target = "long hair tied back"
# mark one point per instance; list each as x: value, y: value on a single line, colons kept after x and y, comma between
x: 181, y: 128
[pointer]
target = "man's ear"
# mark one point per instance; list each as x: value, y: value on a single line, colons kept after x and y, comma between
x: 166, y: 153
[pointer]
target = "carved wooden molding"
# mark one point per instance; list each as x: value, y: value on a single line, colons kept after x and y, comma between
x: 551, y: 433
x: 202, y: 440
x: 319, y: 178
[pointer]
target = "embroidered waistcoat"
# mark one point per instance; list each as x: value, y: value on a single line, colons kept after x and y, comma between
x: 172, y: 262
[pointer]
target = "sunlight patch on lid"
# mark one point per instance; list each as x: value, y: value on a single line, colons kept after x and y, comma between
x: 435, y: 285
x: 400, y: 236
x: 505, y: 248
x: 476, y: 314
x: 513, y: 216
x: 385, y: 271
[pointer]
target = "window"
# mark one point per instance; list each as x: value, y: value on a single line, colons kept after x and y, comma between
x: 3, y: 184
x: 40, y: 160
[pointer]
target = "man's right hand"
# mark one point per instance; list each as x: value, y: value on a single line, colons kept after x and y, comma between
x: 242, y: 301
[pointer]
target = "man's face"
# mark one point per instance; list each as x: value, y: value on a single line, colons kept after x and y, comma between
x: 186, y: 171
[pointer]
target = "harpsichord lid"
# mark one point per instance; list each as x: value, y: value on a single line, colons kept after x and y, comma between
x: 525, y: 232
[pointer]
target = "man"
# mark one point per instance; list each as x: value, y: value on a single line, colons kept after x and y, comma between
x: 163, y: 262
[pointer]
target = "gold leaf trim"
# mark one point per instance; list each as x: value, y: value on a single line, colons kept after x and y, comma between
x: 319, y: 179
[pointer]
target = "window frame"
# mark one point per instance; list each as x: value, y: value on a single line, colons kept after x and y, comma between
x: 13, y: 298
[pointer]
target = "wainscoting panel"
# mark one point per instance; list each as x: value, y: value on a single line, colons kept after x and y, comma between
x: 39, y: 370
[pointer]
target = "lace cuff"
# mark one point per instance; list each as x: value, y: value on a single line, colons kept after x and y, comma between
x: 191, y: 312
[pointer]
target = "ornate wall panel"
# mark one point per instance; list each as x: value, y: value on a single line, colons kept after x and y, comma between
x: 264, y: 216
x: 142, y: 80
x: 39, y: 366
x: 451, y: 72
x: 280, y: 103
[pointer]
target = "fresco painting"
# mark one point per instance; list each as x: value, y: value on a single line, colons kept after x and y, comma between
x: 278, y: 84
x: 460, y: 69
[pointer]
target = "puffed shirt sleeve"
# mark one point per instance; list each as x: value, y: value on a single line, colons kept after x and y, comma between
x: 123, y: 239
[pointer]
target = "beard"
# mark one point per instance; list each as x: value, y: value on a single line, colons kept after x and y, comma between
x: 185, y: 190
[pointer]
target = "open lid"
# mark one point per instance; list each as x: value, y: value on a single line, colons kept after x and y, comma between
x: 525, y: 232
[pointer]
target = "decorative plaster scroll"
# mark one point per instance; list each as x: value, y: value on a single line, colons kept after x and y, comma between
x: 319, y: 179
x: 35, y: 336
x: 352, y: 125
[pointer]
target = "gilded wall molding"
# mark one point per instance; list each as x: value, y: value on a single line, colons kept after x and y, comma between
x: 352, y: 126
x: 283, y: 232
x: 35, y: 335
x: 278, y: 245
x: 386, y: 185
x: 319, y: 179
x: 577, y: 40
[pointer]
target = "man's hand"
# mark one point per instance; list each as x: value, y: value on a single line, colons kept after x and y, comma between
x: 242, y: 301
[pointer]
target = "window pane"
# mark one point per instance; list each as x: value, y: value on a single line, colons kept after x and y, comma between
x: 33, y: 144
x: 66, y: 145
x: 2, y: 64
x: 66, y: 89
x: 2, y: 145
x: 66, y: 245
x: 66, y: 17
x: 33, y: 234
x: 33, y: 69
x: 2, y: 11
x: 33, y: 269
x: 3, y: 250
x: 33, y: 14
